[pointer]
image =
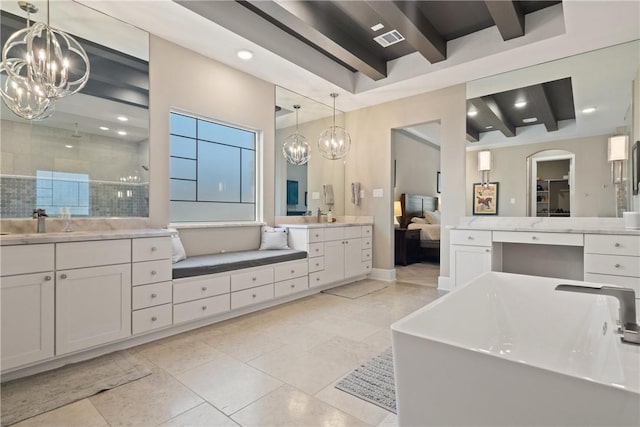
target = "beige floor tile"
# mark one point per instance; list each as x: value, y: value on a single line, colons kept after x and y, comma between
x: 361, y: 409
x: 390, y: 421
x: 204, y: 415
x: 81, y: 413
x: 287, y: 406
x: 380, y: 341
x: 344, y: 351
x: 178, y: 355
x: 244, y: 345
x: 345, y: 327
x: 228, y: 384
x: 148, y: 401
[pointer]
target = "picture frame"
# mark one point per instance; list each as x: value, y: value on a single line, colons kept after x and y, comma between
x: 635, y: 168
x: 485, y: 198
x: 438, y: 183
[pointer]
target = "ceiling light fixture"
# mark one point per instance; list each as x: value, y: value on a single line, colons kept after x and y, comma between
x: 103, y: 128
x: 377, y: 27
x: 54, y: 66
x: 296, y: 149
x: 520, y: 104
x: 245, y: 54
x: 68, y: 146
x: 530, y: 120
x: 472, y: 113
x: 488, y: 127
x: 334, y: 142
x: 123, y: 118
x: 589, y: 110
x: 121, y: 132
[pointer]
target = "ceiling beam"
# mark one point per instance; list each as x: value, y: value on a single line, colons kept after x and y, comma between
x: 508, y: 18
x: 301, y: 19
x: 490, y: 114
x: 538, y: 97
x: 472, y: 134
x: 414, y: 26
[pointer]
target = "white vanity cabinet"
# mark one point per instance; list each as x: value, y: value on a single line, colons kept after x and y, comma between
x: 93, y: 302
x: 471, y: 254
x: 27, y: 304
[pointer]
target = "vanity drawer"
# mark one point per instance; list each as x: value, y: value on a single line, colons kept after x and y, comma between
x: 316, y: 235
x: 366, y: 266
x: 367, y: 254
x: 536, y: 238
x: 92, y: 254
x: 316, y: 264
x: 151, y: 318
x: 607, y: 279
x: 616, y: 265
x: 150, y: 272
x: 251, y: 296
x: 367, y: 230
x: 150, y: 295
x: 149, y: 248
x: 352, y: 232
x: 200, y: 308
x: 471, y: 237
x: 251, y: 279
x: 291, y: 270
x: 201, y: 287
x: 334, y: 233
x: 367, y: 243
x: 317, y: 278
x: 611, y: 244
x: 292, y: 286
x: 24, y: 259
x: 316, y: 249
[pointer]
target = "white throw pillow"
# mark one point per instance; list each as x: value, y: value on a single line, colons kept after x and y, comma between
x: 432, y: 217
x: 273, y: 238
x: 177, y: 250
x: 417, y: 220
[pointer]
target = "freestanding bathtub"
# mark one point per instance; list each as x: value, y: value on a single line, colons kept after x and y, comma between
x: 509, y: 349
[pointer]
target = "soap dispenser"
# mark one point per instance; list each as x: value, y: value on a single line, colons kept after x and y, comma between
x: 329, y: 216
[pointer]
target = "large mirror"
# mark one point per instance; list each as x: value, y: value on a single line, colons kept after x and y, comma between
x: 300, y: 189
x: 547, y: 129
x: 91, y: 156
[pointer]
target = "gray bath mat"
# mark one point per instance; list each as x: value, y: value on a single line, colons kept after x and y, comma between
x: 27, y: 397
x: 357, y: 289
x: 373, y: 381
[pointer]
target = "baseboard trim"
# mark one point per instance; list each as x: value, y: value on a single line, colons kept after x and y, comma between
x: 388, y: 275
x: 444, y: 283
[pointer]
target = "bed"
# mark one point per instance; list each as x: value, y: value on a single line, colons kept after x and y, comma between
x: 415, y: 206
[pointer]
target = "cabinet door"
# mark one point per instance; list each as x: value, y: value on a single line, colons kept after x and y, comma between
x: 93, y: 306
x: 333, y: 261
x: 353, y: 266
x: 27, y: 318
x: 468, y: 262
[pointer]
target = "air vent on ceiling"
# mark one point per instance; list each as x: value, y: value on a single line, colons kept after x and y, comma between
x: 387, y: 39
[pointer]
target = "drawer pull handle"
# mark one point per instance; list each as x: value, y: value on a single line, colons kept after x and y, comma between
x: 253, y: 295
x: 154, y: 318
x: 63, y: 276
x: 204, y: 288
x: 293, y: 286
x: 617, y: 266
x: 470, y: 237
x: 253, y: 278
x: 317, y: 250
x: 534, y: 238
x: 204, y: 307
x: 153, y: 249
x: 154, y: 295
x: 317, y: 235
x: 153, y: 272
x: 487, y: 250
x: 47, y: 278
x: 617, y: 245
x: 317, y: 279
x: 293, y: 271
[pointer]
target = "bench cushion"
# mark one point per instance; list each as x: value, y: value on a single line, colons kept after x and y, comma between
x: 217, y: 263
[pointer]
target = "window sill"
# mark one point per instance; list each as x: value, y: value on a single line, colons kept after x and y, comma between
x: 179, y: 225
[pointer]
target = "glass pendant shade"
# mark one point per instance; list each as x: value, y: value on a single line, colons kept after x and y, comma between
x: 334, y: 142
x: 296, y: 149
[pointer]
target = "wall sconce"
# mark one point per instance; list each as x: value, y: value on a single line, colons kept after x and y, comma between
x: 397, y: 211
x: 484, y: 166
x: 617, y: 154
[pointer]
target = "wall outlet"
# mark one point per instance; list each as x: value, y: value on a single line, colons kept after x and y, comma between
x: 378, y: 192
x: 315, y: 195
x: 512, y: 201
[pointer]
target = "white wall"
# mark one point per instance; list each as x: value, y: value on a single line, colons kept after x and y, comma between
x: 636, y: 128
x: 417, y: 165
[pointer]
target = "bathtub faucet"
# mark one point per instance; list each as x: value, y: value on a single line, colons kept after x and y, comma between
x: 627, y: 300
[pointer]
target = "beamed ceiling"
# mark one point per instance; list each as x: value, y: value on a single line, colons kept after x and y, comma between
x: 341, y: 30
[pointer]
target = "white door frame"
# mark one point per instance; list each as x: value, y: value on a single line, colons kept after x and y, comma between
x: 534, y: 174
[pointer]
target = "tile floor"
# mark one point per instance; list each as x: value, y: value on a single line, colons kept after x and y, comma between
x: 276, y: 367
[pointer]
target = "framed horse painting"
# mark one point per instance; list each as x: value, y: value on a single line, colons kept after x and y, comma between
x: 485, y: 198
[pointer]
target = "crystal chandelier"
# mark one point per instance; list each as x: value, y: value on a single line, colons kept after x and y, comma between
x: 42, y: 65
x: 334, y: 142
x: 296, y: 149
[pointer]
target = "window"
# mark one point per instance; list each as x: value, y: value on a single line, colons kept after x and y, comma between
x: 212, y: 171
x: 56, y: 190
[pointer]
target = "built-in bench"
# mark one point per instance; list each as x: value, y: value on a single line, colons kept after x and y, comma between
x: 218, y: 263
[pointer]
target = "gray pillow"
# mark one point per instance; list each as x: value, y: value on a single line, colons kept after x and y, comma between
x: 273, y: 238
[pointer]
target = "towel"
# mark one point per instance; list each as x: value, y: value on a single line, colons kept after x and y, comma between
x: 327, y: 191
x: 355, y: 193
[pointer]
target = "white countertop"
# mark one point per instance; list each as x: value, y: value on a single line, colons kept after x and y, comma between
x: 325, y: 225
x: 586, y: 225
x: 79, y: 236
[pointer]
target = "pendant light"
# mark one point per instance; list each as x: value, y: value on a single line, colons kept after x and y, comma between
x: 334, y: 142
x: 296, y: 149
x: 54, y: 66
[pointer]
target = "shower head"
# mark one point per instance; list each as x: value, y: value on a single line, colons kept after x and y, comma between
x: 146, y: 168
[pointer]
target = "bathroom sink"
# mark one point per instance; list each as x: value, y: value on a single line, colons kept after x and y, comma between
x: 509, y: 349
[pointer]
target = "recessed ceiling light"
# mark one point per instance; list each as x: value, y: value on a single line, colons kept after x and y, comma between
x: 121, y: 132
x: 488, y: 127
x: 530, y: 120
x: 472, y: 113
x: 377, y: 27
x: 68, y: 146
x: 103, y: 128
x: 123, y: 118
x: 520, y: 104
x: 245, y: 54
x: 589, y: 110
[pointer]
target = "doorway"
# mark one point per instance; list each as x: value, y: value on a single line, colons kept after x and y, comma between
x: 551, y: 185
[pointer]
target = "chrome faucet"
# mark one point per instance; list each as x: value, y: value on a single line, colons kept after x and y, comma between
x: 627, y: 301
x: 319, y: 214
x: 40, y: 215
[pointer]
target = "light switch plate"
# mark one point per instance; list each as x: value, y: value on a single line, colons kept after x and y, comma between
x: 513, y: 201
x: 362, y: 194
x: 378, y: 192
x: 315, y: 195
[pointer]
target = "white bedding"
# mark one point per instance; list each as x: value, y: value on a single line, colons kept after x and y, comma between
x: 427, y: 231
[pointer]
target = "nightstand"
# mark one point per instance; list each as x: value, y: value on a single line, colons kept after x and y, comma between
x: 407, y: 246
